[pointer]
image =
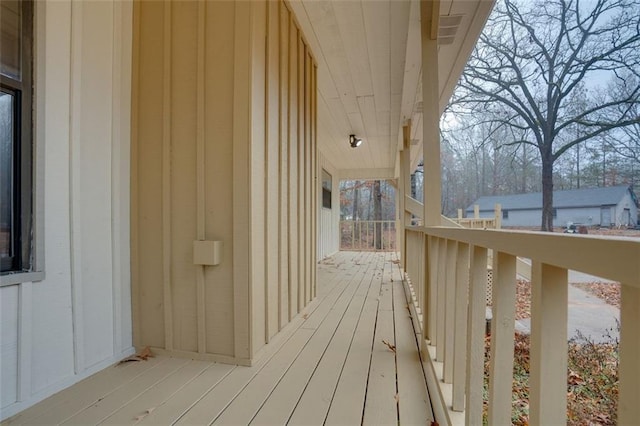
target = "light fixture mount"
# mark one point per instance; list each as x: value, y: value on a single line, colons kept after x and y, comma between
x: 354, y: 141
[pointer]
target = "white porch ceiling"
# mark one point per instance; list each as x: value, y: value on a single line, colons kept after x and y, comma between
x: 369, y: 72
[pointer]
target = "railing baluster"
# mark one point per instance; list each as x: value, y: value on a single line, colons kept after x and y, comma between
x: 460, y: 326
x: 441, y: 304
x: 502, y: 329
x: 431, y: 293
x: 449, y: 309
x: 353, y: 235
x: 548, y: 395
x: 421, y: 265
x: 475, y: 333
x: 629, y: 367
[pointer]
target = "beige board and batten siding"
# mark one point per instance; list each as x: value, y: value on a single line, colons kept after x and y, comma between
x: 224, y: 148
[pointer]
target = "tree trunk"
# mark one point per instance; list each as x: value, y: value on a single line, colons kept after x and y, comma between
x: 356, y: 200
x: 377, y: 213
x: 523, y: 188
x: 547, y: 194
x: 414, y: 194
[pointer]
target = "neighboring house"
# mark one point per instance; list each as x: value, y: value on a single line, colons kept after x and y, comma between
x: 612, y: 206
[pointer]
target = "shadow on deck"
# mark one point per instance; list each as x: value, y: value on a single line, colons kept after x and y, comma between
x: 328, y: 367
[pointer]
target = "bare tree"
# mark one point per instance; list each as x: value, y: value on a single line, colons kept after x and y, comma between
x: 533, y: 56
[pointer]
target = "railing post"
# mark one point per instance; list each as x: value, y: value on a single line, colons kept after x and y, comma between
x: 403, y: 186
x: 502, y: 329
x: 460, y: 327
x: 497, y: 210
x: 548, y: 395
x: 629, y: 368
x: 476, y: 211
x: 475, y: 339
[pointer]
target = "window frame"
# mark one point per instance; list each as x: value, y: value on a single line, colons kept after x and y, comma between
x: 23, y: 149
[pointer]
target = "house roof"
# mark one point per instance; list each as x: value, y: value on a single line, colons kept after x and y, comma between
x: 588, y: 197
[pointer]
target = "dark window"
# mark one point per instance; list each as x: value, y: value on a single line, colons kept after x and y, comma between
x: 505, y: 214
x: 16, y: 19
x: 326, y: 189
x: 555, y: 213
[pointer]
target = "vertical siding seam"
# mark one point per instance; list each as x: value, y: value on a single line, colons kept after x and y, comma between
x: 166, y: 177
x: 265, y: 218
x: 280, y: 188
x: 300, y: 143
x: 317, y: 183
x: 115, y: 176
x: 200, y: 170
x: 75, y: 45
x: 133, y: 213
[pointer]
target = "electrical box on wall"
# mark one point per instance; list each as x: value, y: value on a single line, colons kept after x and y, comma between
x: 208, y: 253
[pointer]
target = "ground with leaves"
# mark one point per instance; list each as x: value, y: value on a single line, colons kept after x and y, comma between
x: 592, y: 376
x: 592, y: 382
x: 609, y: 292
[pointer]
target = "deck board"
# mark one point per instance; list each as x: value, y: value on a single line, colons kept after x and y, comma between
x: 380, y: 405
x: 283, y: 400
x: 179, y: 404
x: 148, y: 401
x: 312, y: 406
x: 352, y: 385
x: 329, y: 366
x: 413, y: 400
x: 109, y: 404
x: 63, y: 405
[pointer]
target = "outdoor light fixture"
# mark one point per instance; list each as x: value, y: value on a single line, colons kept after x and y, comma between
x: 354, y: 141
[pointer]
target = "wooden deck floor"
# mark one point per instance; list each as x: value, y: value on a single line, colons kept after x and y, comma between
x: 329, y: 367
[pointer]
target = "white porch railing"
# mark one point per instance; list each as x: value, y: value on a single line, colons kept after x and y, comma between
x: 447, y: 271
x: 368, y: 235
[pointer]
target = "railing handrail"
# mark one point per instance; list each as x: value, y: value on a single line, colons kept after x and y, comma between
x: 369, y: 220
x: 360, y: 232
x: 612, y: 257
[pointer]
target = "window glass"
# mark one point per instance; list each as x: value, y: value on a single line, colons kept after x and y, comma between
x: 16, y: 196
x: 6, y: 174
x: 10, y: 36
x: 326, y: 189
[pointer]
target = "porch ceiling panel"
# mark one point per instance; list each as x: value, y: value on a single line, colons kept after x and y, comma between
x: 369, y: 67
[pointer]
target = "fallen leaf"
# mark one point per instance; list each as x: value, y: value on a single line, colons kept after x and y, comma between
x: 142, y: 356
x: 146, y: 353
x: 391, y: 347
x: 305, y: 316
x: 145, y: 414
